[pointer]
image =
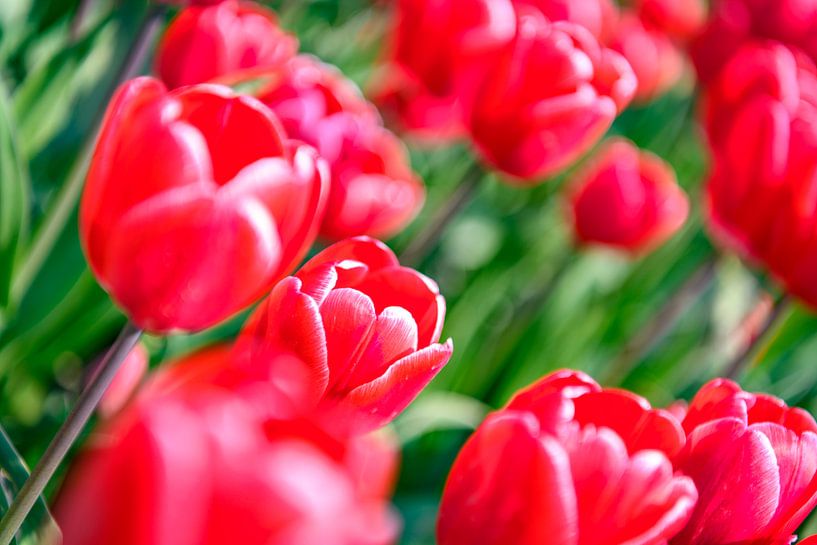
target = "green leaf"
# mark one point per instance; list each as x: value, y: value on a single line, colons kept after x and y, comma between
x: 39, y: 527
x: 14, y: 209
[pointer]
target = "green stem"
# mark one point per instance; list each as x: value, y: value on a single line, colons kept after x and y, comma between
x: 741, y: 360
x: 427, y: 238
x: 68, y: 434
x: 662, y: 323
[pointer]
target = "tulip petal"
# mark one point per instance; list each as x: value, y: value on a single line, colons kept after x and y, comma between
x: 509, y: 485
x: 626, y: 500
x: 797, y: 465
x: 385, y: 397
x: 265, y: 336
x: 159, y: 250
x: 394, y: 337
x: 348, y: 320
x: 415, y: 292
x: 632, y: 418
x: 735, y: 470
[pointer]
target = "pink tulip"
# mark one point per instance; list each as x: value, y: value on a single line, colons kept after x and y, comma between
x: 365, y: 328
x: 754, y: 462
x: 570, y: 464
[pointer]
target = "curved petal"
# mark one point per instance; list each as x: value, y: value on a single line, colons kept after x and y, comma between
x: 508, y: 485
x: 385, y: 397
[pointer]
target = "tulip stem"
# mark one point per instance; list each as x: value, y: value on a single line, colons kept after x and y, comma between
x: 422, y: 244
x: 741, y: 360
x: 66, y: 201
x: 662, y: 323
x: 68, y: 433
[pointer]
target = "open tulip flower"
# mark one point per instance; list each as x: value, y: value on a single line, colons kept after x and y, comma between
x: 764, y: 139
x: 366, y: 328
x: 627, y: 199
x: 568, y: 463
x: 196, y: 203
x: 754, y: 462
x: 197, y: 465
x: 210, y: 42
x: 529, y: 127
x: 373, y: 191
x: 428, y: 84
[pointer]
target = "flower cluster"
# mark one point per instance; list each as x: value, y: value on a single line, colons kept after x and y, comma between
x: 567, y: 461
x: 279, y: 430
x: 760, y: 101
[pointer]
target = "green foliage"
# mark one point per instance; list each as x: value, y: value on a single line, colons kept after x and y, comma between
x: 14, y: 211
x: 39, y: 527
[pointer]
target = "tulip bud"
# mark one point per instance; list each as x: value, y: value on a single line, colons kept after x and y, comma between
x: 627, y: 199
x: 195, y: 204
x: 754, y: 462
x: 657, y: 62
x: 438, y: 55
x: 374, y: 191
x: 366, y: 328
x: 566, y: 462
x: 530, y: 127
x: 210, y: 42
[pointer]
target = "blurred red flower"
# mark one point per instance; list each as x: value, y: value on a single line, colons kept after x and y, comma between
x: 366, y: 329
x: 205, y: 43
x: 754, y: 462
x: 680, y: 19
x: 126, y: 382
x: 569, y: 463
x: 529, y: 126
x: 195, y: 204
x: 657, y: 62
x: 373, y: 191
x: 197, y: 465
x: 761, y: 194
x: 734, y: 23
x: 438, y: 55
x: 627, y: 199
x: 600, y: 17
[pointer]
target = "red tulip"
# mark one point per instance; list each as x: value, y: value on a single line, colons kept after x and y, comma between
x: 754, y: 461
x: 531, y: 127
x: 734, y: 23
x: 439, y: 53
x: 760, y: 194
x: 681, y: 19
x: 627, y: 199
x: 126, y: 382
x: 600, y: 17
x: 198, y: 467
x: 571, y: 464
x: 211, y: 42
x: 374, y: 191
x: 195, y: 204
x: 808, y: 541
x: 657, y: 62
x: 366, y: 328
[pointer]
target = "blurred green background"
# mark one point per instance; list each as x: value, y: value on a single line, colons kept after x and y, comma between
x: 522, y: 301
